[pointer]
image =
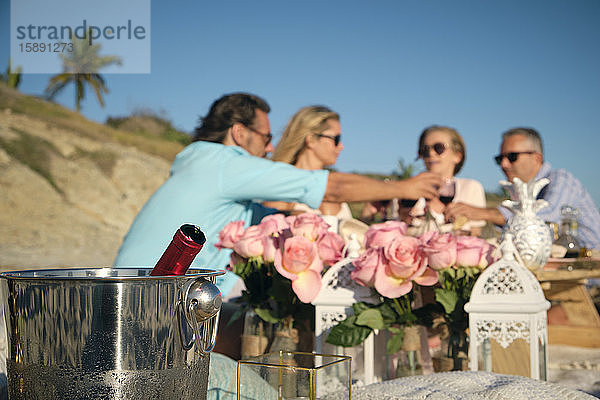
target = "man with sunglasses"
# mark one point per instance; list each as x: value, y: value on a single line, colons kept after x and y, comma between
x: 223, y: 175
x: 522, y: 156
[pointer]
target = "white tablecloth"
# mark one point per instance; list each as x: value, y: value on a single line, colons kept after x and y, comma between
x: 465, y: 385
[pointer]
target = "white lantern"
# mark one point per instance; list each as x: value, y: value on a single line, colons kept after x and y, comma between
x: 507, y: 314
x: 333, y: 304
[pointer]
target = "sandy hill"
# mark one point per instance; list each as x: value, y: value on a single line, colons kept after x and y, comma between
x: 70, y: 187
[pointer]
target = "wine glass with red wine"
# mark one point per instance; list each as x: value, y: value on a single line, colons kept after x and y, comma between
x: 446, y: 191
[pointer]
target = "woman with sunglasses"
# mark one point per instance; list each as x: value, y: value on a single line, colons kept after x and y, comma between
x: 311, y: 140
x: 443, y: 152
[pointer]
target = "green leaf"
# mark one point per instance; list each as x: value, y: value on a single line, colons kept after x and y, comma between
x: 406, y: 319
x: 475, y: 271
x: 371, y: 318
x: 395, y: 330
x: 387, y: 312
x: 240, y: 269
x: 460, y: 273
x: 451, y: 272
x: 266, y: 315
x: 347, y: 335
x: 447, y: 298
x: 395, y: 343
x: 469, y: 272
x: 360, y: 307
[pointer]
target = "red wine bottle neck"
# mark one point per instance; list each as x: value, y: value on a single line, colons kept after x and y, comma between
x: 178, y: 256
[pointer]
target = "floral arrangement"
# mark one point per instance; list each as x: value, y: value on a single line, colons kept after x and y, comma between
x: 459, y: 261
x: 394, y: 265
x: 280, y: 261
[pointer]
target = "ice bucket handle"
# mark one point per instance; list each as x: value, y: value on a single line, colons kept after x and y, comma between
x: 202, y: 307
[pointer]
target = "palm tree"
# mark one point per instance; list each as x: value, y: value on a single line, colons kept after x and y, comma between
x: 405, y: 170
x: 10, y: 77
x: 81, y: 68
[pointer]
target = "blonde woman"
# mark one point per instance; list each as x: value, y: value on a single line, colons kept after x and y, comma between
x: 312, y: 140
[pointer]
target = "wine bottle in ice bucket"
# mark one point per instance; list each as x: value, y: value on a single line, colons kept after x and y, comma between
x: 177, y: 258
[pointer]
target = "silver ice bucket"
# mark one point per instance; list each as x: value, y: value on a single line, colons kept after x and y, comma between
x: 103, y: 333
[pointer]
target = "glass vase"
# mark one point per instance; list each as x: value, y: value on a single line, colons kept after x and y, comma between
x: 285, y: 336
x: 256, y: 335
x: 408, y: 359
x: 453, y: 352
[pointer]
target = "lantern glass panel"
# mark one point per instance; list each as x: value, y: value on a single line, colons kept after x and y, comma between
x: 512, y: 360
x: 542, y: 358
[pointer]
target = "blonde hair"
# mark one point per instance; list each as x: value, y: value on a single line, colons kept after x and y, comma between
x: 307, y: 121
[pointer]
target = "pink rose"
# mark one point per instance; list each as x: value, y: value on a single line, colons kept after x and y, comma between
x: 251, y: 244
x: 428, y: 278
x: 290, y: 219
x: 366, y: 265
x: 230, y: 234
x: 311, y: 226
x: 390, y: 285
x: 271, y: 246
x: 427, y: 236
x: 472, y: 251
x: 404, y: 257
x: 274, y: 224
x: 299, y: 261
x: 440, y: 250
x: 379, y: 235
x: 487, y: 256
x: 330, y: 247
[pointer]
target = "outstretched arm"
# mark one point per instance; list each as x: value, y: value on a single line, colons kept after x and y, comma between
x: 351, y: 187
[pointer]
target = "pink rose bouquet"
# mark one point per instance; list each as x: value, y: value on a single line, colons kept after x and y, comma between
x: 458, y: 261
x: 395, y: 264
x: 281, y: 261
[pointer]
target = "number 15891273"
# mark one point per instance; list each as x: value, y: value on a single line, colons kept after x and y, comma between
x: 35, y: 47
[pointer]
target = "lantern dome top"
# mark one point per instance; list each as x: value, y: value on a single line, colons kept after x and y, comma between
x: 507, y: 286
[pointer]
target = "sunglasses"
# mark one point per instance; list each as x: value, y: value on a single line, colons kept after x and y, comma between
x: 267, y: 136
x: 439, y: 148
x: 512, y: 156
x: 336, y: 139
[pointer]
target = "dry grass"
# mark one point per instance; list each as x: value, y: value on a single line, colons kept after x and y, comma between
x: 33, y: 151
x: 104, y: 159
x: 61, y: 117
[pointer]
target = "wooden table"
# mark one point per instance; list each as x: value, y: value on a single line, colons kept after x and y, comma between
x: 563, y: 282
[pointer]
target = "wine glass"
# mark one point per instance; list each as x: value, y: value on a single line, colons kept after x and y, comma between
x: 446, y: 191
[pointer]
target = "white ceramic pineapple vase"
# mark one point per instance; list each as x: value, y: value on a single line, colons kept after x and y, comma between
x: 532, y: 237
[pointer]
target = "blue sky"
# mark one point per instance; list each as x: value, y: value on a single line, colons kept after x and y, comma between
x: 390, y: 68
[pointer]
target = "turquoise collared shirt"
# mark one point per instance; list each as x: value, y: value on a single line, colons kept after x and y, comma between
x: 211, y: 185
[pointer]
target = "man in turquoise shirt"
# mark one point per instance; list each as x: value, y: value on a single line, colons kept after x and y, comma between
x: 222, y: 177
